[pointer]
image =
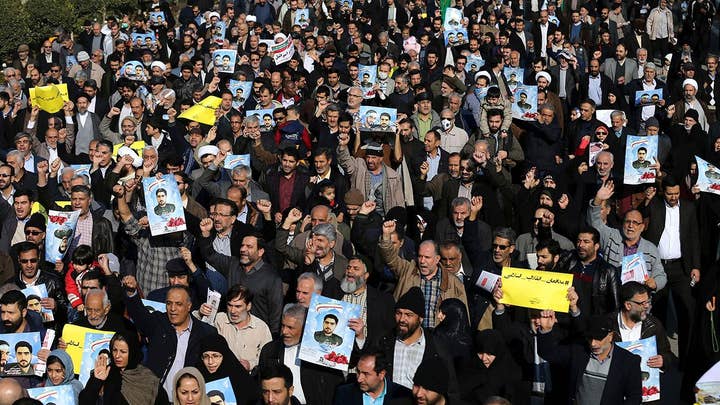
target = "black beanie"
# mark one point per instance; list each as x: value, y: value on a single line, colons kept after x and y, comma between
x: 432, y: 374
x: 413, y: 300
x: 37, y: 220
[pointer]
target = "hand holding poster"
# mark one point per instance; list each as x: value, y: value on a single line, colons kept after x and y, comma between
x: 204, y: 111
x: 283, y: 50
x: 367, y: 76
x: 646, y: 348
x: 50, y: 98
x: 378, y: 119
x: 57, y: 395
x: 164, y: 205
x: 233, y: 161
x: 96, y: 343
x: 267, y: 122
x: 327, y: 340
x: 640, y: 155
x: 221, y: 392
x: 34, y: 295
x: 525, y: 105
x: 708, y: 177
x: 240, y: 92
x: 302, y: 18
x: 455, y: 37
x: 536, y: 289
x: 473, y: 64
x: 59, y: 234
x: 487, y: 281
x: 225, y: 60
x: 594, y: 148
x: 218, y: 34
x: 21, y: 349
x: 648, y: 97
x: 514, y: 77
x: 634, y: 269
x: 133, y: 70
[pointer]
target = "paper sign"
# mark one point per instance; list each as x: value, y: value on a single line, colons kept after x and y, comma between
x: 164, y: 205
x: 708, y: 386
x: 221, y: 392
x: 536, y: 289
x: 50, y: 98
x: 57, y: 395
x: 153, y: 306
x: 378, y: 119
x: 646, y: 348
x: 640, y: 154
x: 367, y: 76
x: 708, y: 177
x: 233, y: 161
x: 213, y: 300
x: 34, y: 295
x: 327, y: 340
x: 594, y: 148
x: 283, y: 51
x: 41, y: 365
x: 487, y: 281
x: 225, y: 60
x: 74, y: 337
x: 137, y: 146
x: 95, y: 342
x: 514, y: 77
x: 204, y: 111
x: 525, y: 105
x: 60, y: 233
x: 22, y: 349
x: 240, y: 92
x: 633, y: 269
x: 648, y: 97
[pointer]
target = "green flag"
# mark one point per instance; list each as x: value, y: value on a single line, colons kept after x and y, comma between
x: 444, y: 4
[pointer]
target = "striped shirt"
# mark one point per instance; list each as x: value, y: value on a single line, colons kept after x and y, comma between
x: 406, y: 360
x: 431, y: 291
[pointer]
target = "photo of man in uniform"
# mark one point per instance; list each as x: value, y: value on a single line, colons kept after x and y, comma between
x: 23, y: 356
x: 163, y: 208
x: 522, y: 102
x: 641, y: 163
x: 326, y: 335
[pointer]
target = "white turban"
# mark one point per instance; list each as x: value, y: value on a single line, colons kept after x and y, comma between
x: 483, y: 73
x: 691, y: 82
x: 546, y: 75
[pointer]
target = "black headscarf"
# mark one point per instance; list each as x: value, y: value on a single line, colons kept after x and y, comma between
x: 137, y: 384
x: 455, y: 328
x: 245, y: 388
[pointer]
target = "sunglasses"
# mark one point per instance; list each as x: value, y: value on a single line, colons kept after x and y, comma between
x: 501, y: 247
x: 33, y: 233
x: 600, y: 133
x: 24, y: 261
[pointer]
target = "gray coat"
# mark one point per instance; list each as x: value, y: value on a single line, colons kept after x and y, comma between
x: 611, y: 246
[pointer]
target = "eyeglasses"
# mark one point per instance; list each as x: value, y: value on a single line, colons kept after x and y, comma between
x: 214, y: 356
x: 218, y: 214
x: 235, y: 122
x: 33, y: 233
x: 501, y: 247
x: 254, y: 59
x: 55, y: 70
x: 601, y: 133
x: 645, y: 303
x: 24, y: 261
x: 631, y: 222
x: 3, y: 175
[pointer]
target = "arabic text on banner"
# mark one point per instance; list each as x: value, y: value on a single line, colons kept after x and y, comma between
x: 536, y: 289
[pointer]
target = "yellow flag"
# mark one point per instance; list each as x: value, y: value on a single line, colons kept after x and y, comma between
x: 536, y: 289
x: 204, y: 111
x: 50, y: 98
x: 137, y: 146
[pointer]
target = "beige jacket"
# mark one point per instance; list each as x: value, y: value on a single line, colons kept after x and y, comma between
x: 359, y: 179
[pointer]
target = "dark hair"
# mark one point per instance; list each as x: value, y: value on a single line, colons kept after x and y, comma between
x: 216, y: 393
x: 630, y: 289
x: 25, y: 246
x: 26, y: 193
x: 23, y: 343
x: 94, y: 275
x: 551, y: 245
x: 277, y: 370
x: 160, y: 190
x: 239, y: 291
x: 83, y: 254
x: 14, y: 297
x: 493, y: 92
x: 225, y: 201
x: 52, y: 359
x: 331, y: 316
x: 81, y: 188
x: 669, y: 181
x: 591, y: 230
x: 642, y: 148
x: 381, y: 363
x: 291, y: 151
x: 494, y: 112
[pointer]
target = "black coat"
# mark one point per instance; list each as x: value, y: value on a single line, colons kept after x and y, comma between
x: 623, y: 385
x: 350, y: 394
x: 156, y: 327
x: 689, y: 235
x: 318, y: 383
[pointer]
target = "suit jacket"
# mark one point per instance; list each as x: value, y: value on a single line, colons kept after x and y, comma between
x: 623, y: 385
x: 102, y: 107
x: 610, y: 66
x: 537, y: 34
x: 350, y: 394
x: 632, y: 44
x: 318, y: 383
x: 517, y: 44
x: 43, y: 65
x: 606, y: 86
x: 571, y: 80
x: 689, y: 239
x: 101, y: 192
x: 163, y: 338
x: 297, y: 199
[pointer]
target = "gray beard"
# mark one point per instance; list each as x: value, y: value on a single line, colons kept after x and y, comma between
x: 349, y: 287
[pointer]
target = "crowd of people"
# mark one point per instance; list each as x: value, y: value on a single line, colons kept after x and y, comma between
x: 399, y: 210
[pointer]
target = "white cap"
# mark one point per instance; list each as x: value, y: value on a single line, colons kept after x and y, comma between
x: 546, y: 75
x: 691, y: 82
x: 208, y: 150
x: 124, y: 150
x: 483, y: 73
x: 251, y: 18
x: 158, y: 64
x: 669, y: 57
x: 213, y: 14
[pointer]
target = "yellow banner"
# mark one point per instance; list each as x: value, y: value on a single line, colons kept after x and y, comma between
x: 74, y: 337
x: 204, y: 111
x: 536, y: 289
x: 50, y: 98
x: 137, y: 146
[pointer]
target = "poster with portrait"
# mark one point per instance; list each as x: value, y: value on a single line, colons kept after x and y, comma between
x: 233, y: 161
x: 59, y: 233
x: 453, y: 19
x: 514, y: 78
x: 708, y: 176
x: 604, y: 117
x: 267, y: 122
x: 70, y: 61
x: 143, y: 41
x: 164, y: 205
x: 648, y: 97
x: 327, y: 340
x: 133, y: 70
x: 348, y: 4
x: 224, y: 60
x: 640, y: 154
x: 80, y: 170
x: 525, y: 105
x: 94, y: 344
x: 34, y: 295
x: 156, y: 18
x: 282, y: 51
x: 18, y: 353
x: 455, y: 37
x: 634, y: 268
x: 474, y: 64
x: 645, y: 348
x: 594, y: 148
x: 153, y: 306
x: 218, y: 33
x: 378, y: 119
x: 57, y: 395
x: 302, y: 18
x: 240, y: 92
x: 221, y: 392
x: 367, y: 74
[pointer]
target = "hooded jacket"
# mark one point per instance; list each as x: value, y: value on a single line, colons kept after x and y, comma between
x: 69, y: 372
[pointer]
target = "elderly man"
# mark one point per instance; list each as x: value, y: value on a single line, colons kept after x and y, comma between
x: 691, y: 102
x: 616, y: 244
x: 91, y: 69
x: 308, y: 284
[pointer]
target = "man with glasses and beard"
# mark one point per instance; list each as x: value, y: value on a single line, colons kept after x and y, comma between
x: 31, y: 274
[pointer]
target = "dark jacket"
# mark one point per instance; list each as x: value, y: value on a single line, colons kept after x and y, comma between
x: 350, y: 394
x: 605, y: 284
x: 624, y: 382
x: 156, y: 327
x: 542, y: 144
x: 297, y: 199
x: 318, y: 383
x: 689, y: 235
